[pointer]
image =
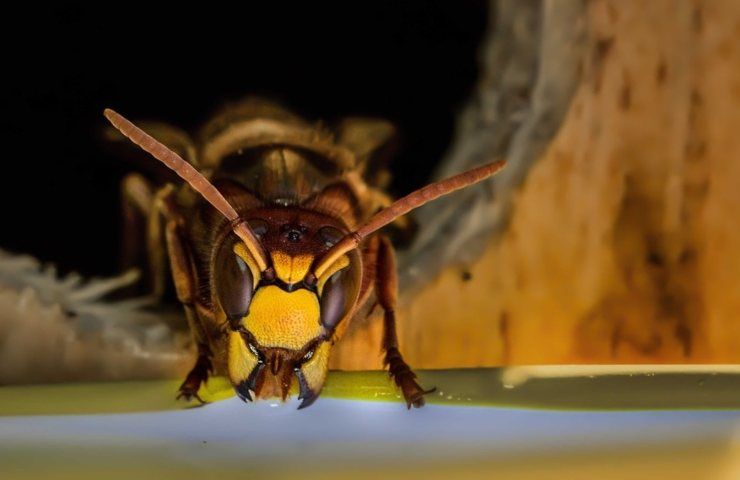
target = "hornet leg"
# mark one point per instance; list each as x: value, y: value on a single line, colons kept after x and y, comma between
x: 184, y: 277
x: 137, y: 198
x: 386, y: 284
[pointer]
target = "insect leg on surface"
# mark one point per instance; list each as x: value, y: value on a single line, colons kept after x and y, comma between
x: 386, y: 285
x: 184, y: 277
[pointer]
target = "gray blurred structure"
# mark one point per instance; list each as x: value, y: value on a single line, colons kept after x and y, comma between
x: 55, y: 328
x: 530, y: 67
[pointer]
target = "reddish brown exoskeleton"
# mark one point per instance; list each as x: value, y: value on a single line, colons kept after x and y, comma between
x: 274, y: 244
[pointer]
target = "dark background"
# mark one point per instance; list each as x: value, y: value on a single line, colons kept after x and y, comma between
x: 412, y: 62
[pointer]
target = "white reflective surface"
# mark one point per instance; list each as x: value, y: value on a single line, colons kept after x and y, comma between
x: 364, y: 430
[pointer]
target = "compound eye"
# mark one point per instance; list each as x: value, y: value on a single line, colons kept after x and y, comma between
x: 333, y: 300
x: 234, y: 284
x: 330, y: 235
x: 259, y: 227
x: 339, y: 294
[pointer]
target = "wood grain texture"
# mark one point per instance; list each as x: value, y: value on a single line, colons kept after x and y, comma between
x: 623, y: 241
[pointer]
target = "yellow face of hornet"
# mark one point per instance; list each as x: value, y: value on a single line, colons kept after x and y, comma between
x: 282, y: 327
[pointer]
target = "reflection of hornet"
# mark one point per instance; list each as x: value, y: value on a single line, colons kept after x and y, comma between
x: 275, y: 252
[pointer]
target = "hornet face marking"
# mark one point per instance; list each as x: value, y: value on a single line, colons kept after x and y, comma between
x: 283, y: 339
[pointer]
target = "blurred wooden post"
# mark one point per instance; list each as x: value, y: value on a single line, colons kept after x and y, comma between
x: 622, y: 240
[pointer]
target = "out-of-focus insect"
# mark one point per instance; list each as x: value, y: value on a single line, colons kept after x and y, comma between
x: 274, y: 244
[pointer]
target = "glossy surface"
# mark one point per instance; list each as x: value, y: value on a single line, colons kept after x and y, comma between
x: 527, y: 434
x: 552, y: 387
x: 335, y: 436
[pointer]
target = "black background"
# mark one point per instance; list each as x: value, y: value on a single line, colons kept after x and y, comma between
x: 412, y: 62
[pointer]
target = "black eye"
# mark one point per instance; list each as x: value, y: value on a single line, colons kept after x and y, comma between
x: 330, y: 235
x: 258, y: 226
x: 333, y: 299
x: 233, y: 283
x: 340, y: 294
